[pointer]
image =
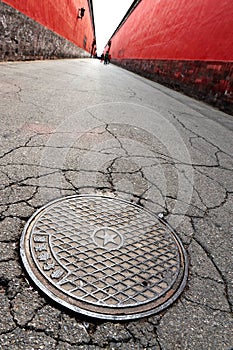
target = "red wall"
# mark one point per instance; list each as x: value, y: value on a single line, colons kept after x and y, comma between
x: 177, y: 29
x: 60, y: 16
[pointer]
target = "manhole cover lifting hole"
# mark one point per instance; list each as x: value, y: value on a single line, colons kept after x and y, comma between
x: 104, y: 257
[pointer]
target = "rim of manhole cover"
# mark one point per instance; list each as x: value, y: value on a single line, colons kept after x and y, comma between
x: 104, y: 257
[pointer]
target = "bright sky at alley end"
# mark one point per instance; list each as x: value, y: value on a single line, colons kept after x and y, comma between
x: 107, y: 15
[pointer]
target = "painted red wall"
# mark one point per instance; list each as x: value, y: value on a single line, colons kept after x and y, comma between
x: 177, y: 29
x: 60, y: 16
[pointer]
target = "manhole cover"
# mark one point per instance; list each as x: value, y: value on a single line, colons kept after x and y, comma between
x: 104, y: 257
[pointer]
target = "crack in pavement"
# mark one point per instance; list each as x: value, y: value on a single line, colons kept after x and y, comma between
x: 199, y: 136
x: 212, y: 259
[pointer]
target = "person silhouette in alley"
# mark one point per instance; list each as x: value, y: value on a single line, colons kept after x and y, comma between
x: 106, y: 58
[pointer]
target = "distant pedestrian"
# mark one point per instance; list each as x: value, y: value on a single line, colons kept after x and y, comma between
x: 106, y: 58
x: 102, y: 57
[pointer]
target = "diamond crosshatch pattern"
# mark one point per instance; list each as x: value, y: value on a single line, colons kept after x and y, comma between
x: 103, y: 252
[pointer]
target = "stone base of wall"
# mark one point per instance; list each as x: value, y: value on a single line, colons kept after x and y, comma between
x: 211, y: 82
x: 21, y: 38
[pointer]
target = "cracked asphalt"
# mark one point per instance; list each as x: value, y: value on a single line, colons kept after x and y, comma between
x: 78, y: 127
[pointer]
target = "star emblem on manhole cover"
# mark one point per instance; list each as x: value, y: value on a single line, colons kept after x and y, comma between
x: 108, y: 238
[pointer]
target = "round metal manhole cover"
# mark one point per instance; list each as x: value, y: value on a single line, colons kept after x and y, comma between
x: 104, y: 257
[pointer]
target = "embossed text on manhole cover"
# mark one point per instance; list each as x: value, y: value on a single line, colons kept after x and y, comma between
x: 104, y: 257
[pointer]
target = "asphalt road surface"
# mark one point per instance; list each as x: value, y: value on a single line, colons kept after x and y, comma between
x: 78, y: 127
